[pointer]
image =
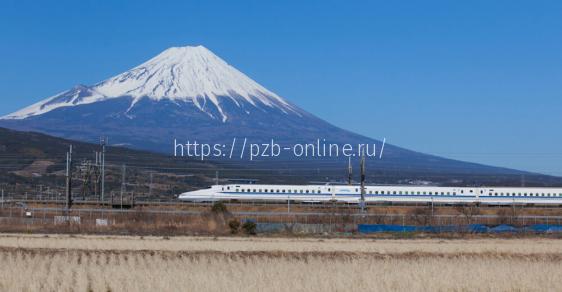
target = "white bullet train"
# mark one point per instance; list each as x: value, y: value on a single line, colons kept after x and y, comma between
x: 394, y: 194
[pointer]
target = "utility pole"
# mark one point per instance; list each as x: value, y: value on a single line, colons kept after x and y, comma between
x: 103, y: 142
x: 349, y: 172
x: 150, y: 186
x: 124, y: 169
x: 362, y: 181
x: 432, y: 210
x: 2, y: 198
x: 69, y: 179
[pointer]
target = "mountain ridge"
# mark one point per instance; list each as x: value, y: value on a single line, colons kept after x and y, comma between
x: 187, y: 74
x: 150, y: 105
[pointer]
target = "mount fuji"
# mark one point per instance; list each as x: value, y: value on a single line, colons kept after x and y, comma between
x: 189, y: 93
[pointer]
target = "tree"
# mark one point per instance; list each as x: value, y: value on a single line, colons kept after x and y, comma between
x: 219, y: 208
x: 234, y: 225
x: 249, y: 227
x: 469, y: 211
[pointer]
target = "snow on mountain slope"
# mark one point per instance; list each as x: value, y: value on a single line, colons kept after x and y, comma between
x: 189, y: 74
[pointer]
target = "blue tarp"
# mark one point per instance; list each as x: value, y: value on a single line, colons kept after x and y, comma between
x: 372, y: 228
x: 473, y: 228
x: 477, y: 228
x: 503, y: 228
x: 544, y: 228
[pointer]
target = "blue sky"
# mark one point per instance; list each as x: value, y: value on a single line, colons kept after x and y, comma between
x: 473, y: 80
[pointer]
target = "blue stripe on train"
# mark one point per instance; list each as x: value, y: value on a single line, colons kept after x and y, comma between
x: 386, y: 195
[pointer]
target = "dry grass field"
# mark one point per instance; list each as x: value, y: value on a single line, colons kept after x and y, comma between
x: 113, y: 263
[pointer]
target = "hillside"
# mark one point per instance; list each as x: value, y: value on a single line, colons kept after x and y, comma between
x: 32, y: 162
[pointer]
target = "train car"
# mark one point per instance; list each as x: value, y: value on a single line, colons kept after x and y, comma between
x: 390, y: 194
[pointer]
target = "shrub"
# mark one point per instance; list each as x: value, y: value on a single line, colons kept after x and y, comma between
x: 219, y: 208
x: 249, y: 228
x: 234, y: 225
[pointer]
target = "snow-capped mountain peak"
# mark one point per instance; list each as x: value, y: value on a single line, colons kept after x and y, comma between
x: 189, y: 74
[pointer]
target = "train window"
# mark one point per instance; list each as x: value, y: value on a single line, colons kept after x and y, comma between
x: 376, y: 192
x: 370, y: 192
x: 394, y: 192
x: 431, y: 193
x: 307, y: 191
x: 283, y: 191
x: 223, y: 188
x: 228, y: 188
x: 454, y: 193
x: 419, y: 193
x: 329, y: 190
x: 462, y: 191
x: 356, y: 190
x: 382, y: 192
